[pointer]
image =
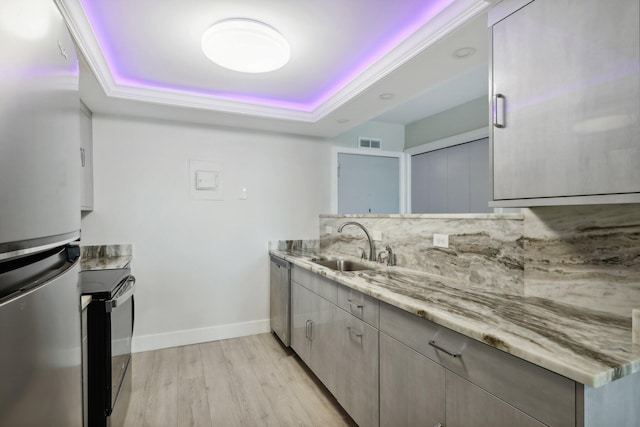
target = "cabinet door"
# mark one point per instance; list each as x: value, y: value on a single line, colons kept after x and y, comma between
x: 357, y: 369
x: 412, y: 387
x: 470, y: 406
x: 323, y: 342
x: 301, y: 316
x: 86, y: 159
x: 568, y: 71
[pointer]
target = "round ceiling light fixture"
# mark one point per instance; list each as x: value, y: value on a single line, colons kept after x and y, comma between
x: 245, y: 45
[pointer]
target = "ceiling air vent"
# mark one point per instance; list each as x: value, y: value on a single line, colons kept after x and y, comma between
x: 374, y: 143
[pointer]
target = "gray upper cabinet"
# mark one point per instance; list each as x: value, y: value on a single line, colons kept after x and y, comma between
x: 86, y: 159
x: 565, y: 97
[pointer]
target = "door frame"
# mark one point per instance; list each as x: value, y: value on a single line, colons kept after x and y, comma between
x: 402, y: 157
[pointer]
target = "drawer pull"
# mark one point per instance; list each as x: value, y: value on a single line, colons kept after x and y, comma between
x: 353, y: 304
x: 433, y: 344
x: 354, y: 332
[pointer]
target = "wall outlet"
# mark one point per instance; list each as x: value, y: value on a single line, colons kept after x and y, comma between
x: 376, y: 235
x: 441, y: 240
x: 328, y: 229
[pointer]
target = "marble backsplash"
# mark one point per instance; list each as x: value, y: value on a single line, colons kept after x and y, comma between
x: 484, y: 249
x: 587, y: 256
x: 294, y: 245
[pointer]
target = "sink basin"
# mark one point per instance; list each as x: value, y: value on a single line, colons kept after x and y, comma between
x: 342, y: 265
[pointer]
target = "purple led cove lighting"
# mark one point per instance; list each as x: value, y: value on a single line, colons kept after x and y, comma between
x: 426, y: 10
x: 431, y: 9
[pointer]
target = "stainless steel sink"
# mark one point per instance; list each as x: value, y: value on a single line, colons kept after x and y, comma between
x: 342, y: 265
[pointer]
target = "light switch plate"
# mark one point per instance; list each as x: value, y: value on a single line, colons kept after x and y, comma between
x: 441, y: 240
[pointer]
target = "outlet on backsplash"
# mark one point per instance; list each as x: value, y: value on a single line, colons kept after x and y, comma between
x: 441, y: 240
x: 376, y: 235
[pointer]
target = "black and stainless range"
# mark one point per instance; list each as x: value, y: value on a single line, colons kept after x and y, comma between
x: 110, y: 320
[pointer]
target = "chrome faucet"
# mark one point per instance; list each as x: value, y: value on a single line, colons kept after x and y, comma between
x: 387, y: 255
x: 372, y: 249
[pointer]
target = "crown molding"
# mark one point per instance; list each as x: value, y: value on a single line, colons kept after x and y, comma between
x: 440, y: 26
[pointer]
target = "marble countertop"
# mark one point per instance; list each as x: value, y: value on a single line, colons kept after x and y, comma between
x: 105, y: 257
x: 105, y: 263
x: 587, y: 346
x: 85, y: 300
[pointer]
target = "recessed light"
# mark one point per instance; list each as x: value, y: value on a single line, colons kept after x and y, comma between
x: 464, y: 52
x: 386, y: 96
x: 245, y: 45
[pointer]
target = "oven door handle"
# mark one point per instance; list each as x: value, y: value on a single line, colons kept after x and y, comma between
x: 121, y: 299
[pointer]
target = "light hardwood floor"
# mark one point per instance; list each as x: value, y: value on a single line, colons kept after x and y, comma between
x: 249, y: 381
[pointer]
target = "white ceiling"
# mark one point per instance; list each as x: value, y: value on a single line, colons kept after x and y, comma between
x: 143, y: 58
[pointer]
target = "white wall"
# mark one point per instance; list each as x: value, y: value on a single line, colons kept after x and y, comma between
x: 463, y: 118
x: 392, y: 135
x: 202, y: 267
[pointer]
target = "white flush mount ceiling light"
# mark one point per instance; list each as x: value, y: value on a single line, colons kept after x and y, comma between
x: 245, y: 45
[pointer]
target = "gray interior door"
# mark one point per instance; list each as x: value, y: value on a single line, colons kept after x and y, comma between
x: 368, y: 184
x: 452, y: 180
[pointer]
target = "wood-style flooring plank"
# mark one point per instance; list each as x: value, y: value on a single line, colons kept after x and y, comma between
x: 248, y: 381
x: 162, y: 406
x: 224, y: 405
x: 141, y: 368
x: 253, y: 401
x: 193, y: 405
x: 280, y: 395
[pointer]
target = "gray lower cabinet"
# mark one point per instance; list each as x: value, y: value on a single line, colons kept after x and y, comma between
x: 513, y: 392
x: 357, y: 369
x: 313, y: 337
x: 470, y: 406
x: 388, y: 367
x: 340, y: 349
x: 412, y: 387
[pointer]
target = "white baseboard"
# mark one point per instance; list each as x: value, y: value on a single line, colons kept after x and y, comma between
x: 195, y: 336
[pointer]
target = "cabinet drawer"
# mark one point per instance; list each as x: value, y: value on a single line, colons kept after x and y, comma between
x: 358, y: 304
x: 540, y: 393
x: 315, y: 283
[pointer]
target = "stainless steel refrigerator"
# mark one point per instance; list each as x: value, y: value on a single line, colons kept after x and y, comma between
x: 40, y: 342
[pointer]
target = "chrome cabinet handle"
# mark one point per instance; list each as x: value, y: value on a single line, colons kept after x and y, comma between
x: 82, y: 157
x: 433, y: 344
x: 354, y: 332
x: 353, y: 304
x: 498, y: 111
x: 307, y: 329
